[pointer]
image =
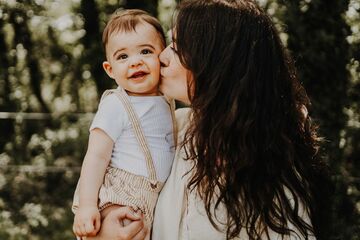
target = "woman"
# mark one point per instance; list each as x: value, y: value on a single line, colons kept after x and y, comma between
x: 247, y: 163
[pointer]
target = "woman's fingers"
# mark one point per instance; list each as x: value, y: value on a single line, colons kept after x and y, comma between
x: 111, y: 227
x: 138, y: 228
x: 123, y: 213
x: 134, y: 228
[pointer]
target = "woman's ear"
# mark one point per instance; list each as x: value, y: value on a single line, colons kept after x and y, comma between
x: 108, y: 69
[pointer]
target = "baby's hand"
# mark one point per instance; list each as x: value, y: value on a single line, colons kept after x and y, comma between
x: 87, y: 221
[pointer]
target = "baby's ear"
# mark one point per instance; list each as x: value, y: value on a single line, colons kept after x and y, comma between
x: 108, y: 69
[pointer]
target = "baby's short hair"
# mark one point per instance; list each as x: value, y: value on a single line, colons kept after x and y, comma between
x: 126, y: 20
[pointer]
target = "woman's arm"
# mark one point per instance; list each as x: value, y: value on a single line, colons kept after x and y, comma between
x: 87, y: 218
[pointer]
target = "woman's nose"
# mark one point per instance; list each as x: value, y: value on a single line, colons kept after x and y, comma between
x: 163, y: 59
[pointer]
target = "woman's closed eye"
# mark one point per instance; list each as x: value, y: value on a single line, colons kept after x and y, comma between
x: 173, y: 48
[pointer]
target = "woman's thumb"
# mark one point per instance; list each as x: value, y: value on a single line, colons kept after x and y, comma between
x: 125, y: 212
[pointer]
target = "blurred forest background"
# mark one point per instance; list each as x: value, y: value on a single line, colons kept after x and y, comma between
x: 51, y: 79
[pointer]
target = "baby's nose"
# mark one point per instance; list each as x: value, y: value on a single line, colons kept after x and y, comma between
x: 136, y: 61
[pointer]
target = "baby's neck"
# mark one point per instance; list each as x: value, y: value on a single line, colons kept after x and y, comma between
x: 144, y: 94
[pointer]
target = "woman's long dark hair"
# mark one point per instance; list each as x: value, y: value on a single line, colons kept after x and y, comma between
x: 253, y: 146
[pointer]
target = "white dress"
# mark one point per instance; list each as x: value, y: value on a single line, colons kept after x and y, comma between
x: 180, y: 214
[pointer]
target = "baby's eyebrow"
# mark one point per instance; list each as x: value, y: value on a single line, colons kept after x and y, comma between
x: 119, y: 50
x: 147, y: 45
x: 140, y: 46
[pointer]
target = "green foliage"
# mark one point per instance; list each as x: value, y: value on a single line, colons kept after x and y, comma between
x: 36, y: 198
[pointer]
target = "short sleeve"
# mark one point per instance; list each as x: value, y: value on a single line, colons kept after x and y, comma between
x: 110, y: 117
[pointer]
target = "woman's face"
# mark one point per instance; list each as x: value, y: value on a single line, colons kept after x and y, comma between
x: 174, y: 76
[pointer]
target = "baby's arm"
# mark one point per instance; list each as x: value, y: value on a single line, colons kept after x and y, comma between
x: 87, y: 217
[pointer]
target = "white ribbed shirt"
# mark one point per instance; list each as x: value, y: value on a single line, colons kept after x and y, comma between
x: 156, y: 122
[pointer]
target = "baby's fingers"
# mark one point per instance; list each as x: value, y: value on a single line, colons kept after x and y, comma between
x: 75, y: 230
x: 97, y: 224
x: 79, y: 230
x: 89, y: 228
x: 95, y: 227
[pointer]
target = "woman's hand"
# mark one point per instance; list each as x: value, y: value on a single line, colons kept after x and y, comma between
x: 112, y: 226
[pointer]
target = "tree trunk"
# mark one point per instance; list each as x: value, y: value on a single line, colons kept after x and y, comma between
x: 23, y: 36
x: 94, y: 54
x: 6, y: 125
x: 148, y: 5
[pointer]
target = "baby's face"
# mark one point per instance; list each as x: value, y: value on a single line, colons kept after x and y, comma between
x: 133, y: 59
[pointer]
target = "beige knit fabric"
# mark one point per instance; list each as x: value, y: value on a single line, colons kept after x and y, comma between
x: 124, y: 188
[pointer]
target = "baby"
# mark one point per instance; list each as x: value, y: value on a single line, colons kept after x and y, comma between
x: 132, y: 142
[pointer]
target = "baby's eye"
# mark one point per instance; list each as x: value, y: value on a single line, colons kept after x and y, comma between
x: 122, y: 57
x: 146, y: 51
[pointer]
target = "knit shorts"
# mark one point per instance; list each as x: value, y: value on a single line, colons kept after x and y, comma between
x: 124, y: 188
